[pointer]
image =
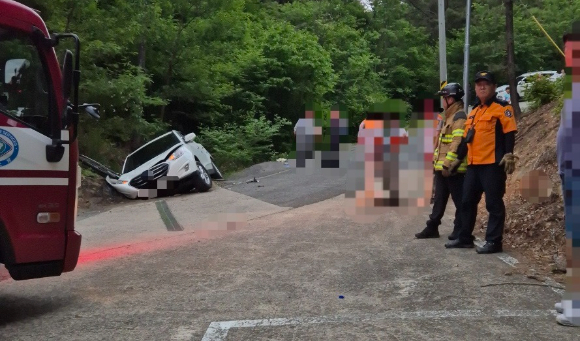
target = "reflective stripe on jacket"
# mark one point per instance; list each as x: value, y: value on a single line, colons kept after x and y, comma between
x: 450, y: 138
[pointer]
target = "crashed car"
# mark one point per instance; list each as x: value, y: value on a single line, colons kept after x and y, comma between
x: 170, y: 164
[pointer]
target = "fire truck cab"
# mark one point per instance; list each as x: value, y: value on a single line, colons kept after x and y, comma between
x: 39, y: 173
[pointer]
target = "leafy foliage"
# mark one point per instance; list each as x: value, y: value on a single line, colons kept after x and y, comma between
x: 233, y: 146
x: 543, y: 91
x: 227, y: 69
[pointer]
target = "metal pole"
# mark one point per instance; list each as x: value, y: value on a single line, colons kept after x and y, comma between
x: 442, y: 46
x: 547, y: 35
x: 466, y: 57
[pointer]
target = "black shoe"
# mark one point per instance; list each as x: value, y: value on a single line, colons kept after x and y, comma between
x: 452, y: 236
x: 489, y: 247
x: 459, y: 244
x: 427, y: 233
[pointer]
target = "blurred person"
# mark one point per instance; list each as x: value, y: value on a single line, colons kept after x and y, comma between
x: 447, y: 180
x: 386, y: 164
x: 488, y: 141
x: 508, y: 97
x: 568, y: 154
x: 305, y: 132
x: 338, y: 133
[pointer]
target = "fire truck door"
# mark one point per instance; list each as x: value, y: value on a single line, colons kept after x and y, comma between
x: 33, y: 191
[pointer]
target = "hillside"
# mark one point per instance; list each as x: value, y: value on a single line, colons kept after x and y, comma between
x: 534, y: 230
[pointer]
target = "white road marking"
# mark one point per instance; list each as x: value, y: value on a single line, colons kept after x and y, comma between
x: 509, y: 260
x: 183, y: 333
x: 550, y: 281
x: 218, y: 331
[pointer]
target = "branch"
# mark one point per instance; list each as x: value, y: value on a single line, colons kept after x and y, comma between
x: 532, y: 284
x: 430, y: 14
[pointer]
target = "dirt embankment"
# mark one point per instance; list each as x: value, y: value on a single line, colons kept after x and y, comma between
x: 534, y: 228
x: 95, y: 194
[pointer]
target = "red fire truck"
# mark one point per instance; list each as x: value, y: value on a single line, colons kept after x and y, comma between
x: 39, y: 173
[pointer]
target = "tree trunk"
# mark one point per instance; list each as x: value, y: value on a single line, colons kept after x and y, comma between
x: 72, y: 6
x: 175, y: 53
x: 511, y: 68
x: 142, y: 54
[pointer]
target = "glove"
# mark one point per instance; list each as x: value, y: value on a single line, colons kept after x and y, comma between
x: 451, y: 170
x: 509, y: 162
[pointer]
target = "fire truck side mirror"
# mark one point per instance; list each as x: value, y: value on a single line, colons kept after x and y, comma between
x: 55, y: 151
x: 13, y: 70
x: 67, y: 74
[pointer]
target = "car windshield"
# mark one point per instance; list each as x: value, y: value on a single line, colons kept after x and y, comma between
x: 149, y: 151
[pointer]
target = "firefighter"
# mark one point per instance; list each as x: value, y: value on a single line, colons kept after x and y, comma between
x: 447, y: 179
x: 435, y: 139
x: 488, y: 140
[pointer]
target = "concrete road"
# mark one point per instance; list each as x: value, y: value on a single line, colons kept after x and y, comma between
x: 225, y: 265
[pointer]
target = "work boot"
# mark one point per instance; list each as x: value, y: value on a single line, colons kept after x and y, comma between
x: 427, y: 233
x: 489, y: 247
x: 564, y: 321
x: 459, y: 244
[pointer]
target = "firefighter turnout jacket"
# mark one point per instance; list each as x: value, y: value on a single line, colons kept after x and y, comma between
x: 449, y: 138
x: 495, y: 126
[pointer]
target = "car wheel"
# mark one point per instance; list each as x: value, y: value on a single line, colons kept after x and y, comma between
x: 217, y: 174
x: 186, y: 187
x: 202, y: 179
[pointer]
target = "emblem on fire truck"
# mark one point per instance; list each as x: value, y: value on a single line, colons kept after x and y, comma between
x: 8, y: 147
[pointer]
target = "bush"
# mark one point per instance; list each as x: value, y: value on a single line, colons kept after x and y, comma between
x: 543, y: 91
x: 237, y: 146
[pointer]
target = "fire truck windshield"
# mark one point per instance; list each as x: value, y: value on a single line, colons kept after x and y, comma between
x: 24, y: 90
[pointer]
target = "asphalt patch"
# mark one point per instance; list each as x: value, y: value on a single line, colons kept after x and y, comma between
x: 283, y: 185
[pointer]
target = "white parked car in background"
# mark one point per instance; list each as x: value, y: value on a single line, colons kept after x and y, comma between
x: 523, y: 81
x: 170, y: 164
x: 500, y: 92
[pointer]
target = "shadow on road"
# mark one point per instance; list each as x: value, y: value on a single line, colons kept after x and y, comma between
x: 15, y: 308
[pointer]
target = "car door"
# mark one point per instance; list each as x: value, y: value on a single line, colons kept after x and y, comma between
x: 521, y: 85
x: 201, y: 153
x: 31, y: 188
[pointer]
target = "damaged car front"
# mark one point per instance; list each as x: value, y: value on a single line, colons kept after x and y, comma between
x: 168, y: 165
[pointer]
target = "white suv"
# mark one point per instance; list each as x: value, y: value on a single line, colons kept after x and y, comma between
x: 169, y: 164
x: 523, y: 81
